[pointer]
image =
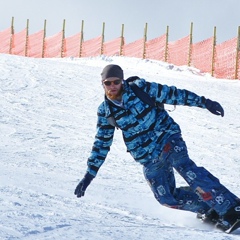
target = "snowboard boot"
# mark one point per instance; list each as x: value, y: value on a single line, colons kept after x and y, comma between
x: 230, y: 217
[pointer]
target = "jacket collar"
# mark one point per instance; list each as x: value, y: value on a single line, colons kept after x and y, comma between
x: 109, y: 104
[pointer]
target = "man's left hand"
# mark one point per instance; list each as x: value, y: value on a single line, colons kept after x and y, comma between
x: 214, y: 107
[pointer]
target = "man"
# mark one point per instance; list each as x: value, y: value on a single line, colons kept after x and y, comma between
x: 154, y: 140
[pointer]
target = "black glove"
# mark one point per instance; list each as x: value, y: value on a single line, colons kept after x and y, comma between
x: 214, y: 107
x: 82, y: 186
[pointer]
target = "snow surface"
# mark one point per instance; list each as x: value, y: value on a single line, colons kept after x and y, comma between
x: 47, y: 125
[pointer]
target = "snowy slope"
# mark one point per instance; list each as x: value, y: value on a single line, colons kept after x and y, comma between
x: 47, y: 125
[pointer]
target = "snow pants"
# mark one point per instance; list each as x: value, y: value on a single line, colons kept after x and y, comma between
x: 204, y: 191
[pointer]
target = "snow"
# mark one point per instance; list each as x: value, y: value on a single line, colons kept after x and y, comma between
x: 47, y: 125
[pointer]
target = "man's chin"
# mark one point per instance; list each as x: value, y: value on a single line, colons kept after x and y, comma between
x: 112, y: 96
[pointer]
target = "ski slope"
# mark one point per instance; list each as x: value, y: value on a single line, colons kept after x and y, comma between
x: 47, y: 125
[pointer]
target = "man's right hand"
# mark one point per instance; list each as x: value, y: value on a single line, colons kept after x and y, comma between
x: 83, y: 184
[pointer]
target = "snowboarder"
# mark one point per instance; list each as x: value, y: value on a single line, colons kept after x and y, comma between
x: 154, y: 140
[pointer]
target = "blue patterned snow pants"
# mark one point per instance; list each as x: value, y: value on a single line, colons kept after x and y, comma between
x: 204, y: 191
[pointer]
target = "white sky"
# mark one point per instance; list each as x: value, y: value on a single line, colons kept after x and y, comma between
x: 177, y: 14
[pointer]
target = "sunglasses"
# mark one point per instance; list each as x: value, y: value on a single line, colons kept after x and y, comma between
x: 115, y: 82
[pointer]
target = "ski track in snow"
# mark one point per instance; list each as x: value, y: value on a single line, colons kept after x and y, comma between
x: 47, y: 124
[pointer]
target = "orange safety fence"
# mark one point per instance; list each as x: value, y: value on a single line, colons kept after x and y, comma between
x: 35, y: 44
x: 113, y: 47
x: 178, y: 51
x: 225, y: 59
x: 202, y: 53
x: 220, y: 60
x: 19, y: 41
x: 156, y: 48
x: 134, y: 49
x: 72, y: 45
x: 5, y: 41
x: 92, y: 47
x: 53, y: 45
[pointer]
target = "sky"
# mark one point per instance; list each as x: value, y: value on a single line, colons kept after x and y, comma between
x: 48, y: 113
x: 134, y: 14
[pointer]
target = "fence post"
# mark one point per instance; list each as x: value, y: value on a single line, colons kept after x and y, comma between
x: 44, y: 35
x: 237, y: 54
x: 213, y: 51
x: 12, y: 36
x: 122, y: 41
x: 144, y: 41
x: 166, y: 46
x: 63, y: 39
x: 190, y: 46
x: 81, y: 39
x: 102, y: 41
x: 26, y: 42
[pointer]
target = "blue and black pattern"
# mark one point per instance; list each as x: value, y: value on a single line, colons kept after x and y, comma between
x: 145, y: 128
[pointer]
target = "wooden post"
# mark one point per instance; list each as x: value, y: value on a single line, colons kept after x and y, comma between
x: 44, y: 35
x: 213, y: 52
x: 81, y: 40
x: 166, y: 45
x: 12, y: 36
x: 122, y: 41
x: 144, y: 41
x: 190, y: 46
x: 63, y: 39
x: 103, y: 29
x: 237, y: 54
x: 26, y: 42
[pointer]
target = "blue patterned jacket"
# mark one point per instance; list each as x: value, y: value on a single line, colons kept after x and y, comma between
x: 145, y: 129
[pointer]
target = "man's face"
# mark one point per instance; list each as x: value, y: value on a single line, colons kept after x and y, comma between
x: 113, y: 88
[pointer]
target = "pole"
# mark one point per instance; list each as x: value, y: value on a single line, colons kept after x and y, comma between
x: 237, y: 54
x: 12, y: 36
x: 103, y: 29
x: 26, y: 42
x: 44, y: 35
x: 122, y: 41
x: 144, y: 41
x: 190, y: 45
x: 166, y: 45
x: 81, y: 40
x: 63, y: 39
x: 213, y: 51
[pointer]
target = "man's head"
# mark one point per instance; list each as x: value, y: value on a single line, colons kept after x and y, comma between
x: 112, y: 78
x: 112, y: 70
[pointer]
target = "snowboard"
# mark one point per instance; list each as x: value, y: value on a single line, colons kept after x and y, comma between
x: 219, y: 225
x: 234, y: 227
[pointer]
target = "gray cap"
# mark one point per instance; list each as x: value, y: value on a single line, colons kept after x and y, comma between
x: 112, y: 70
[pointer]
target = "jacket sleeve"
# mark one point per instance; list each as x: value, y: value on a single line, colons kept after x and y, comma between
x: 103, y: 141
x: 172, y: 95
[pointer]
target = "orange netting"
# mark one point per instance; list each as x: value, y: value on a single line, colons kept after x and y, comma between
x: 53, y: 45
x: 5, y: 41
x: 201, y: 57
x: 134, y: 49
x: 19, y: 42
x: 92, y: 47
x: 155, y: 48
x: 113, y: 47
x: 178, y: 51
x: 72, y: 46
x: 225, y: 59
x: 35, y: 44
